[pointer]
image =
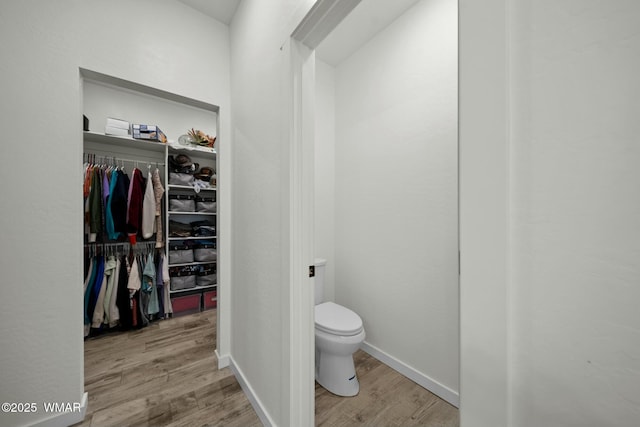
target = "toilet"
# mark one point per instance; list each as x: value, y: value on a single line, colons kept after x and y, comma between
x: 339, y: 333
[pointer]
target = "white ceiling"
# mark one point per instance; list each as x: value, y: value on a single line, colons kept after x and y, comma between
x: 365, y: 21
x: 222, y: 10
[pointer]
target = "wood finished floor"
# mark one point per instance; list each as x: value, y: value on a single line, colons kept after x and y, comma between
x: 166, y: 375
x: 163, y: 375
x: 386, y: 399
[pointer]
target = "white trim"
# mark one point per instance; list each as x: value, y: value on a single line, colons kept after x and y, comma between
x: 224, y: 221
x: 255, y: 401
x: 323, y: 17
x: 135, y: 87
x: 65, y: 419
x: 298, y: 312
x: 298, y: 186
x: 223, y: 360
x: 414, y: 375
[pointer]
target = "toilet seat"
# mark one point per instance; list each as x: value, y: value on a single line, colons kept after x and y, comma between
x: 337, y: 320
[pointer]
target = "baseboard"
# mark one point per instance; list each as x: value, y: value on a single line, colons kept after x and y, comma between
x: 251, y: 395
x: 419, y: 378
x: 223, y: 361
x: 65, y: 419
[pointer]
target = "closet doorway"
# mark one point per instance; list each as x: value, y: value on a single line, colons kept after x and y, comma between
x: 376, y: 115
x: 166, y: 272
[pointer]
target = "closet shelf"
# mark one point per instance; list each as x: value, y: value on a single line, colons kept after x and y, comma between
x: 179, y: 147
x: 186, y: 264
x: 188, y: 187
x: 192, y: 238
x: 124, y: 141
x: 193, y: 289
x: 192, y: 213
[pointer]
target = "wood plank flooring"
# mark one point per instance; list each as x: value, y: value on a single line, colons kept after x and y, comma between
x: 163, y: 375
x: 166, y: 375
x: 386, y: 398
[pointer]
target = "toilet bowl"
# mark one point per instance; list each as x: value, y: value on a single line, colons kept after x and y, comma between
x: 338, y: 334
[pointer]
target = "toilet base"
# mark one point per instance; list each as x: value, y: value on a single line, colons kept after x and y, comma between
x: 337, y: 374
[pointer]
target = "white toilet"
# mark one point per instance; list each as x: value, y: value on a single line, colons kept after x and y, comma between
x: 339, y: 333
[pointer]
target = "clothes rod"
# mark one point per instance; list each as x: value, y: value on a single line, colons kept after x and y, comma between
x: 113, y: 159
x: 110, y: 244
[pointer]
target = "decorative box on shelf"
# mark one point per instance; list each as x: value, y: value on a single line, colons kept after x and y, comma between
x: 148, y: 132
x: 116, y: 127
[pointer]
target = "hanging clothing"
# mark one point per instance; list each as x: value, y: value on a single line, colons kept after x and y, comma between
x: 88, y: 172
x: 123, y: 301
x: 160, y: 287
x: 148, y: 209
x: 116, y: 205
x: 118, y: 198
x: 110, y: 224
x: 91, y: 276
x: 95, y: 205
x: 121, y: 291
x: 134, y: 205
x: 98, y: 313
x: 158, y: 191
x: 105, y: 186
x: 93, y: 291
x: 149, y: 277
x: 148, y: 274
x: 143, y: 294
x: 135, y: 311
x: 168, y: 308
x: 134, y: 277
x: 134, y: 287
x: 114, y: 313
x: 109, y: 272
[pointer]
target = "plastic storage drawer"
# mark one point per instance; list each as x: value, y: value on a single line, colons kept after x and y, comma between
x: 186, y: 304
x: 210, y: 299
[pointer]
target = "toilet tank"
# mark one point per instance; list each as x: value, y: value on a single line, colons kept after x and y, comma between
x: 320, y: 265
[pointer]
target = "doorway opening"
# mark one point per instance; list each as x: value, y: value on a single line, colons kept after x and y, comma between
x: 382, y: 118
x: 156, y: 315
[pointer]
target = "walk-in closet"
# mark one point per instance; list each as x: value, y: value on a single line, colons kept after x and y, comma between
x: 149, y: 187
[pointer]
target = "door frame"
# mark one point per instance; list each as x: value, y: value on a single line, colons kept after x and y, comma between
x: 299, y: 127
x: 298, y: 180
x: 484, y: 205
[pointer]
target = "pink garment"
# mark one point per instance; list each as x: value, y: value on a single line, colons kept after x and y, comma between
x: 158, y: 191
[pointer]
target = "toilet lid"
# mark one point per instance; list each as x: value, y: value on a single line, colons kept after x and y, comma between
x: 336, y: 319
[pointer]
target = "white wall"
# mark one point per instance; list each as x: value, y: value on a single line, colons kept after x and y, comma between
x: 43, y: 45
x: 569, y: 147
x: 484, y: 234
x: 324, y: 156
x: 396, y: 220
x: 256, y: 321
x: 576, y: 213
x: 260, y: 301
